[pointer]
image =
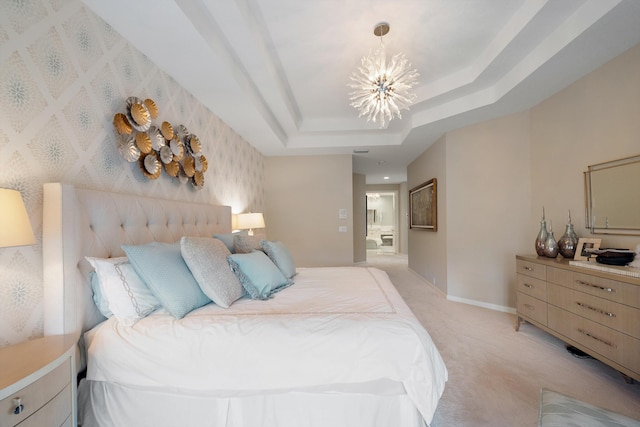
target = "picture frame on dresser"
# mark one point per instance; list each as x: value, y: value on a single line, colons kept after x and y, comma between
x: 584, y: 248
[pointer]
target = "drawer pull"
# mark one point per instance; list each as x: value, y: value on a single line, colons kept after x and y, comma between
x: 602, y: 288
x: 18, y: 406
x: 526, y: 285
x: 597, y: 310
x: 610, y: 344
x: 530, y: 307
x: 528, y: 268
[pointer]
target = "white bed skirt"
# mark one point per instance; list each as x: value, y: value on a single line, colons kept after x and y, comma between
x: 102, y: 404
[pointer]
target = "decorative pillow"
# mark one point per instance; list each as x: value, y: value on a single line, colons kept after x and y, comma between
x: 127, y: 297
x: 259, y: 276
x: 281, y: 257
x: 206, y: 257
x: 161, y: 267
x: 98, y: 296
x: 228, y: 238
x: 246, y: 244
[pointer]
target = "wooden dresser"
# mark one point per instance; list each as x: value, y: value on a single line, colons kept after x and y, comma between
x: 37, y: 383
x: 595, y: 311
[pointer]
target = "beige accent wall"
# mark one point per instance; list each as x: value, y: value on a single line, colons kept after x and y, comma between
x: 64, y: 73
x: 494, y: 178
x: 303, y: 197
x: 359, y: 218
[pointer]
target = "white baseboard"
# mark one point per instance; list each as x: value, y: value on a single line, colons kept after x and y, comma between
x: 495, y: 307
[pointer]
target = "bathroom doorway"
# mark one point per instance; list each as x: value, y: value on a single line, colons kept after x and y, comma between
x: 382, y: 222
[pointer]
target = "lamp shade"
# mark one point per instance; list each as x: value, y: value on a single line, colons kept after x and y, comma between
x: 15, y: 228
x: 250, y: 221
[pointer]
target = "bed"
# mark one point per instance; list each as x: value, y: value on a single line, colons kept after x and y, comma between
x: 339, y: 347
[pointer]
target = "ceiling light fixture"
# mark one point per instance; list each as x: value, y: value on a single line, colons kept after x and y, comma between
x: 381, y: 87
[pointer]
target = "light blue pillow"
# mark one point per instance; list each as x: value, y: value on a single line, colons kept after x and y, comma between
x: 259, y: 276
x: 206, y: 257
x: 161, y: 267
x: 281, y: 257
x: 227, y: 239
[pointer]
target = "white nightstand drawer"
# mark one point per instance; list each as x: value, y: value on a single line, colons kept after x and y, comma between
x: 54, y: 413
x: 36, y: 395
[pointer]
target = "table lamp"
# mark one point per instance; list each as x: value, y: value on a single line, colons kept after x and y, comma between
x: 250, y: 221
x: 15, y: 227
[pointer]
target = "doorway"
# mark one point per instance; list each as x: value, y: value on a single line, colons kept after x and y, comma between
x: 382, y: 222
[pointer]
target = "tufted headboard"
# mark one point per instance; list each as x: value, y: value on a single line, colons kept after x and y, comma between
x: 80, y: 222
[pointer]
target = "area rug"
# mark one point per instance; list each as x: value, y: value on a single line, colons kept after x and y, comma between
x: 558, y: 410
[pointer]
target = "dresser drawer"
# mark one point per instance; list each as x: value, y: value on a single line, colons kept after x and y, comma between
x: 531, y: 286
x: 532, y: 308
x: 624, y: 293
x: 613, y: 345
x: 616, y: 316
x: 36, y: 395
x: 531, y: 269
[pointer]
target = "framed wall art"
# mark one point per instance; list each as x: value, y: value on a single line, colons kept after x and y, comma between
x: 423, y: 212
x: 585, y: 248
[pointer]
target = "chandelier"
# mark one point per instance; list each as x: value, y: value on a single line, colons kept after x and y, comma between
x: 381, y: 86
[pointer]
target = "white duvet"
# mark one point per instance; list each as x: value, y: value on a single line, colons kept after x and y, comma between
x: 335, y: 326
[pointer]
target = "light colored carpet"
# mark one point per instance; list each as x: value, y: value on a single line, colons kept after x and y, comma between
x: 495, y: 373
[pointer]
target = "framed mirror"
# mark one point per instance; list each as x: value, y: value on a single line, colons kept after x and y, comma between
x: 612, y: 193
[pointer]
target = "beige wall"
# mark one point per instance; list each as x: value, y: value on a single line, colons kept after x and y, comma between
x: 359, y: 218
x: 594, y: 120
x: 303, y: 197
x: 404, y: 218
x: 427, y: 249
x: 498, y: 174
x: 488, y: 207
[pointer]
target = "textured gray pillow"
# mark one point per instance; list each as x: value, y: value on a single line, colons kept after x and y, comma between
x: 206, y: 257
x: 246, y: 244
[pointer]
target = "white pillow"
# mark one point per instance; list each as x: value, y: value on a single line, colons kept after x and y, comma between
x: 206, y: 257
x: 129, y: 299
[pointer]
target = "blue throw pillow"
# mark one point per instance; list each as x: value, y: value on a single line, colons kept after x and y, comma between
x: 259, y: 276
x: 281, y: 257
x: 161, y: 267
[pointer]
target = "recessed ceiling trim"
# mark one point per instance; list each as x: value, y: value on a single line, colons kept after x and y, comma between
x: 251, y: 11
x: 471, y: 73
x: 206, y: 24
x: 583, y: 18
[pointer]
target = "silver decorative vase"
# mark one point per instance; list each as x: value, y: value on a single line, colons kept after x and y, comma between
x: 551, y: 248
x: 542, y: 236
x: 568, y: 243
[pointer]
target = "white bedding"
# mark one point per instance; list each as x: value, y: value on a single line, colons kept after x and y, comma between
x: 334, y: 326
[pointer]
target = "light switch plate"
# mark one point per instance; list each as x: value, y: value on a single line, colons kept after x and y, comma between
x: 342, y: 213
x: 342, y: 229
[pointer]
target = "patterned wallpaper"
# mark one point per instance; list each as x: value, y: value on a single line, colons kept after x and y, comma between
x: 64, y: 73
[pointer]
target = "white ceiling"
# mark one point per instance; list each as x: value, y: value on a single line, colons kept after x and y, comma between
x: 276, y: 71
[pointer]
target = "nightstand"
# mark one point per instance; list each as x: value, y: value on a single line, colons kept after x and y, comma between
x: 37, y: 383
